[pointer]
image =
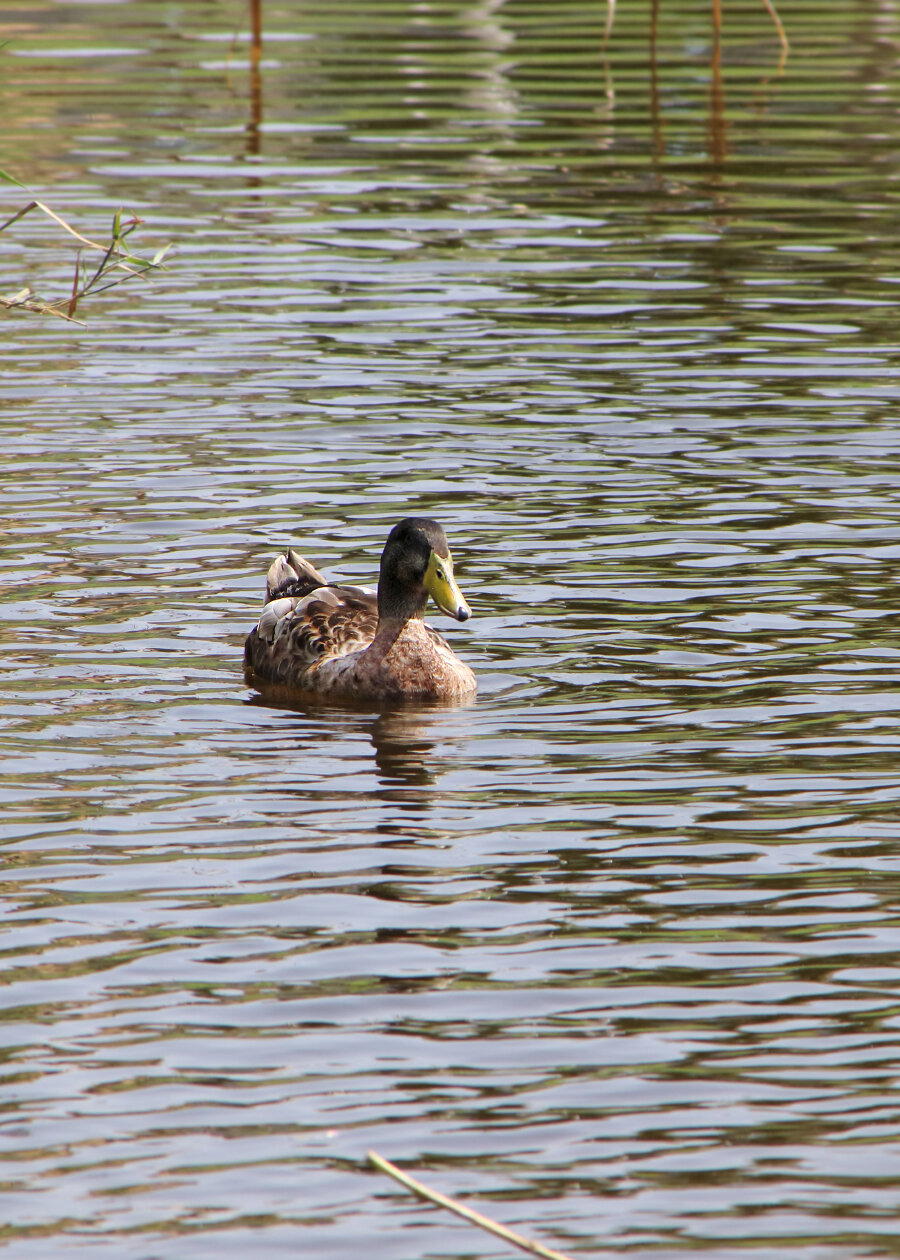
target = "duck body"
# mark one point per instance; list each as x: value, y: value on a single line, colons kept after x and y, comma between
x: 349, y: 643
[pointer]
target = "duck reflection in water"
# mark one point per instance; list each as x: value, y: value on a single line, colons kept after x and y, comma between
x: 404, y: 754
x: 407, y: 759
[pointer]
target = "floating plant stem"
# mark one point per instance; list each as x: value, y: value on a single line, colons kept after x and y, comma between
x: 468, y: 1214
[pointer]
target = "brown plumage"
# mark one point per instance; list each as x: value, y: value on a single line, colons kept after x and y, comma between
x: 349, y: 643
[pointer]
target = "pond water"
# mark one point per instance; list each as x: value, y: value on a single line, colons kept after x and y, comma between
x: 614, y: 952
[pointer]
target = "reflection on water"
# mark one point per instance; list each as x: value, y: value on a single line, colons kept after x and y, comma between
x: 404, y: 740
x: 403, y: 754
x: 615, y: 945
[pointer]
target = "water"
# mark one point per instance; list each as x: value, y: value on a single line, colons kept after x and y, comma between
x: 611, y: 953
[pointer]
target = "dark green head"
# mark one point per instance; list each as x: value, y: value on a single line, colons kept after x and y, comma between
x: 416, y: 563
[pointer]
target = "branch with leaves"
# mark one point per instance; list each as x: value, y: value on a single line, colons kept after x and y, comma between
x: 116, y: 265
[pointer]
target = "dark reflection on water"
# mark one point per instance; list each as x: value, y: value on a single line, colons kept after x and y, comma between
x: 403, y: 740
x: 613, y: 950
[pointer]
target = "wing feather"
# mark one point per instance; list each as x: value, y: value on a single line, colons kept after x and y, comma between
x: 291, y: 574
x: 295, y: 635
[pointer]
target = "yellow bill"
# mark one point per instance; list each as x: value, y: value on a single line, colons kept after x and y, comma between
x: 441, y: 586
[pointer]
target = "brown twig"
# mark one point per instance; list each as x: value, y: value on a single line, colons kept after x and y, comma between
x: 73, y: 296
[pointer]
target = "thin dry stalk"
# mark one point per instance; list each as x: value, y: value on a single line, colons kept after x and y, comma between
x: 62, y: 223
x: 468, y: 1214
x: 610, y: 21
x: 779, y: 27
x: 25, y: 301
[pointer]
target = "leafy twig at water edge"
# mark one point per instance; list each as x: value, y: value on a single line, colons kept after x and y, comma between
x: 116, y: 258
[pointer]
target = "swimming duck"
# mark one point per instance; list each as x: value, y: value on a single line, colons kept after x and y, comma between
x: 349, y: 643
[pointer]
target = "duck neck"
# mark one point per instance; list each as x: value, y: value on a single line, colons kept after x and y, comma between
x: 395, y: 609
x: 387, y: 634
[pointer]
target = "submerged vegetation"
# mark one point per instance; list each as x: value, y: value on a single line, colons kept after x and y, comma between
x: 717, y: 5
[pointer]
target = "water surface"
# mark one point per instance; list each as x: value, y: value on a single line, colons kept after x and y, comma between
x: 613, y: 952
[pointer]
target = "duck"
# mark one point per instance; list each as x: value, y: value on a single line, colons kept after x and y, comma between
x: 350, y: 643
